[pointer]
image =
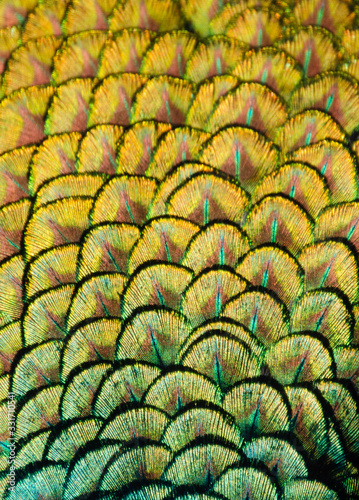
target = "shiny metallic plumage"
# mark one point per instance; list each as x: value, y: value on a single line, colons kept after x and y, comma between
x: 179, y: 238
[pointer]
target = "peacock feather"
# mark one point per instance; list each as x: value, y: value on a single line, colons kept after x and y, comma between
x: 179, y: 249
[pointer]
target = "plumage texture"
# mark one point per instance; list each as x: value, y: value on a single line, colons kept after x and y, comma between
x: 179, y: 238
